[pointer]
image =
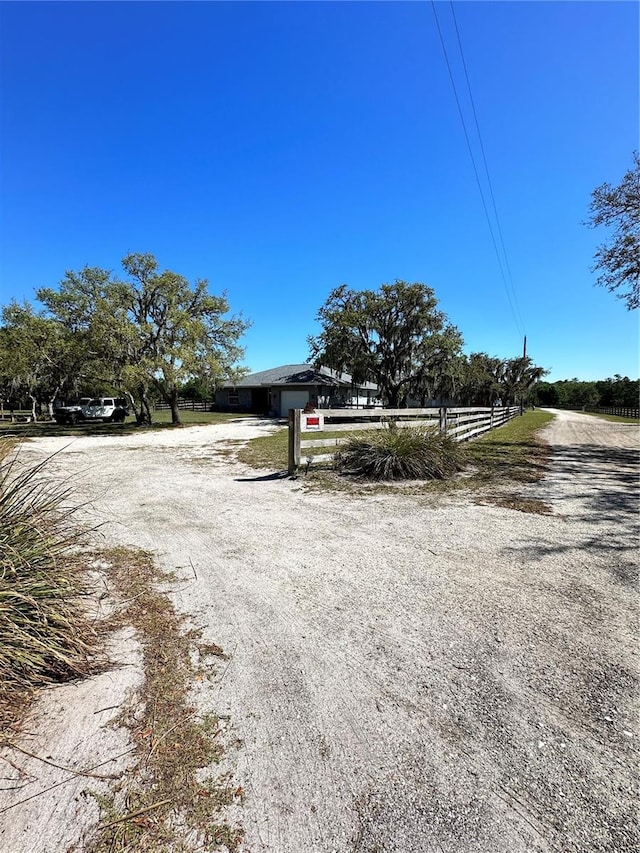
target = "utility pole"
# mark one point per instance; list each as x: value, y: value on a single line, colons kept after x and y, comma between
x: 524, y: 356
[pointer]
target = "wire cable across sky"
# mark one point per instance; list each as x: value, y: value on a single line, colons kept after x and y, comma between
x: 503, y: 261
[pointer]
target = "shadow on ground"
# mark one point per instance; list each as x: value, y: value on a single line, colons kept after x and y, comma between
x: 266, y: 478
x: 607, y: 479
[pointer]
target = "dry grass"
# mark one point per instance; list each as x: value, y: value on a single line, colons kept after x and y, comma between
x: 173, y: 800
x: 269, y: 452
x: 513, y: 452
x: 617, y: 419
x: 520, y: 503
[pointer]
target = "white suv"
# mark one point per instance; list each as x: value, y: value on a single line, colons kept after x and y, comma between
x: 107, y: 409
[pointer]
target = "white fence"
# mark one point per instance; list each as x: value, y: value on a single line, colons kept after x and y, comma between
x: 461, y: 424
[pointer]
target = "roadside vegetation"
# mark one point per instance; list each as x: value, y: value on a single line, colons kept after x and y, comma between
x: 618, y: 419
x: 409, y: 453
x: 507, y: 460
x: 618, y: 391
x: 45, y: 636
x: 173, y: 796
x: 512, y: 454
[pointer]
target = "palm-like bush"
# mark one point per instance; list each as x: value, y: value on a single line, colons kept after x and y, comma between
x: 44, y: 635
x: 401, y: 453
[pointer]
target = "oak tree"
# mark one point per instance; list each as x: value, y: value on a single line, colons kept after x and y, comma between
x: 150, y: 331
x: 394, y: 336
x: 41, y: 357
x: 618, y: 260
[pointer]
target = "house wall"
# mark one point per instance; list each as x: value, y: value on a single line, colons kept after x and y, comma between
x: 279, y: 399
x: 224, y: 397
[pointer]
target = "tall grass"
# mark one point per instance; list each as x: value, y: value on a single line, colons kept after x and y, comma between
x: 44, y: 635
x: 407, y: 453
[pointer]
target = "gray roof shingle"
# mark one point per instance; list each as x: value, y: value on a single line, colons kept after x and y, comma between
x: 296, y: 374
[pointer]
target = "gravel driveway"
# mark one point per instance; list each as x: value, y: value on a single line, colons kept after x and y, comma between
x: 406, y: 676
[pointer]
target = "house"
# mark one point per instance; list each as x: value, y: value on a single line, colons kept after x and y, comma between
x: 292, y: 386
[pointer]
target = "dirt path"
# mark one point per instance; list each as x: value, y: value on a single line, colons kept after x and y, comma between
x: 405, y: 678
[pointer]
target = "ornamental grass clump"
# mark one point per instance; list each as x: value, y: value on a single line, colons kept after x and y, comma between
x: 44, y: 634
x: 401, y: 453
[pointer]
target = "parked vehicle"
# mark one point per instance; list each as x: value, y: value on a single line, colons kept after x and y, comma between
x: 107, y: 409
x: 72, y: 413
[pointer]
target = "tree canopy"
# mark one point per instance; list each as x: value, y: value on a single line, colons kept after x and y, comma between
x: 38, y: 355
x: 148, y: 332
x: 576, y: 393
x: 618, y: 207
x: 394, y: 336
x: 485, y: 379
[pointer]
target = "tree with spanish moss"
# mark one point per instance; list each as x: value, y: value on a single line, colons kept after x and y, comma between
x: 151, y: 331
x: 618, y: 260
x: 394, y: 336
x: 39, y: 357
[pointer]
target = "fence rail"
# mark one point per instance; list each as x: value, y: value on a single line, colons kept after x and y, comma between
x: 461, y: 424
x: 623, y: 411
x: 187, y: 405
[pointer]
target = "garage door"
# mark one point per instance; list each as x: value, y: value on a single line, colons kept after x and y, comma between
x: 292, y: 400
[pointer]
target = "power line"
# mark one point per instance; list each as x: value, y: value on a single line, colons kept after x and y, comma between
x: 475, y: 170
x: 486, y: 166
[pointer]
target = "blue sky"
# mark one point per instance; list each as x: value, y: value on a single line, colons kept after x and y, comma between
x: 282, y: 149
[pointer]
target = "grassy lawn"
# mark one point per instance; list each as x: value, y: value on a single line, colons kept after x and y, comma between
x: 161, y: 420
x: 615, y: 418
x: 269, y: 452
x: 512, y: 452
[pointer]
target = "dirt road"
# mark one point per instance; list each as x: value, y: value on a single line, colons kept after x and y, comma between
x: 405, y: 677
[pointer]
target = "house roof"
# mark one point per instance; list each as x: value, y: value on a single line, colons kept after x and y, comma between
x: 297, y: 374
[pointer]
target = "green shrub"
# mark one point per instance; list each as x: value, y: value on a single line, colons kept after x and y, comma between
x: 44, y: 635
x: 401, y: 453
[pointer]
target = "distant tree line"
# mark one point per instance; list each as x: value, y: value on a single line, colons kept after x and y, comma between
x: 577, y: 394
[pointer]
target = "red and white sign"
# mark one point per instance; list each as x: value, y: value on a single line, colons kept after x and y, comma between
x: 312, y: 422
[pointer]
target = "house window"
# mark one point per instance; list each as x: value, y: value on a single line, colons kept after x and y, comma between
x: 233, y: 397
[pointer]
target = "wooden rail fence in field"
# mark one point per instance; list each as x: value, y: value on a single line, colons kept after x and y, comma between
x: 623, y: 411
x: 187, y: 405
x: 461, y: 424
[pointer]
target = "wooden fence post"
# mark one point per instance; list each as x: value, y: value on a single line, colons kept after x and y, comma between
x: 443, y: 420
x: 294, y: 440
